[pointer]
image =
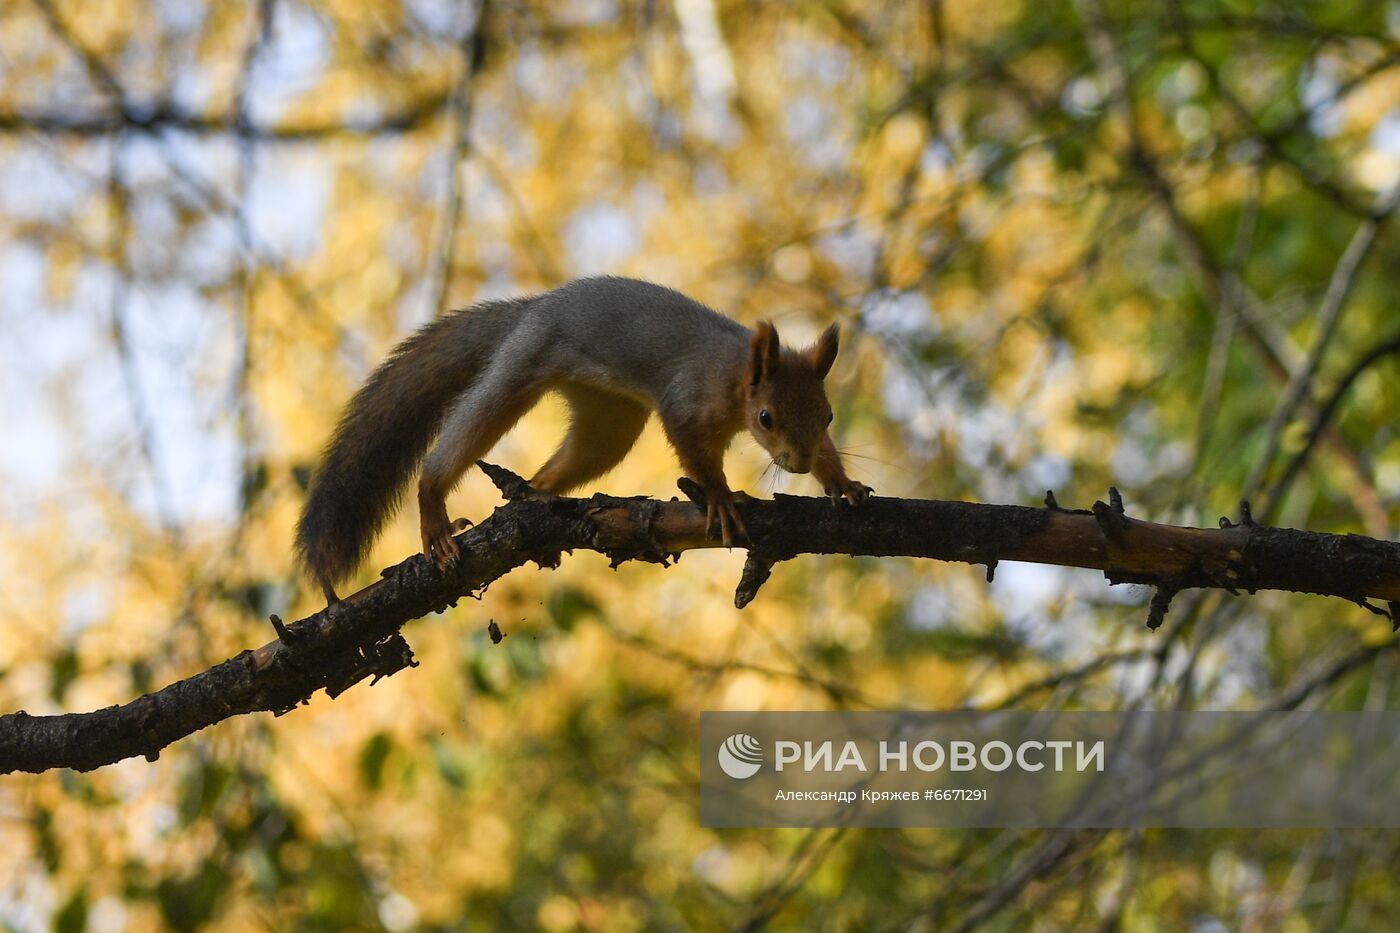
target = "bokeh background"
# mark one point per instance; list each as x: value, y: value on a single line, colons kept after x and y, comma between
x: 1070, y: 244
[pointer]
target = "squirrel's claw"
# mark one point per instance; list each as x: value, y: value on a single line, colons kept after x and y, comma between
x: 439, y: 545
x: 444, y: 551
x: 851, y: 491
x: 721, y: 505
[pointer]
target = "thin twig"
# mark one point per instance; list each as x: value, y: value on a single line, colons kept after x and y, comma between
x: 472, y: 48
x: 1322, y: 420
x: 1329, y: 315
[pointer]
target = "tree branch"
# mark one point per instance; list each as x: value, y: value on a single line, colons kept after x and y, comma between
x: 156, y: 117
x: 359, y: 637
x: 1322, y: 420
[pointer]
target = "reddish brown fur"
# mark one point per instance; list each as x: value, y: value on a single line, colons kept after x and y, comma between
x: 787, y: 384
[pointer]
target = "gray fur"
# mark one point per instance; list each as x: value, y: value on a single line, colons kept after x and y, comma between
x: 495, y: 360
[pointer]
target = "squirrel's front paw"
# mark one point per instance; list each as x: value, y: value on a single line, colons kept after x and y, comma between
x: 721, y: 504
x: 851, y: 491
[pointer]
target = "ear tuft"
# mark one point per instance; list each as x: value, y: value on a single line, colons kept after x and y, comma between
x: 823, y: 353
x: 763, y: 353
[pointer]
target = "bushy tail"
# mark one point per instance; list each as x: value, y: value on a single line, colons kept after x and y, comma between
x: 385, y: 432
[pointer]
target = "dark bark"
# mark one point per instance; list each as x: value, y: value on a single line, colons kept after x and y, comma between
x: 336, y: 648
x: 161, y: 117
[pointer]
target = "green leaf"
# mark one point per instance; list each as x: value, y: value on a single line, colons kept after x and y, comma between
x: 201, y: 789
x: 190, y: 902
x: 73, y: 915
x: 63, y: 670
x: 449, y: 763
x: 49, y: 850
x: 568, y: 605
x: 372, y: 758
x: 525, y: 658
x: 485, y: 672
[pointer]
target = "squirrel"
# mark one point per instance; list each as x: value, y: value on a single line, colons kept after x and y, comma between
x: 616, y: 349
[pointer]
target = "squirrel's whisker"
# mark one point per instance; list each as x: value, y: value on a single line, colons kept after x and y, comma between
x: 889, y: 463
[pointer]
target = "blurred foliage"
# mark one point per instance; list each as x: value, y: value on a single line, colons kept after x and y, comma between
x: 1072, y: 244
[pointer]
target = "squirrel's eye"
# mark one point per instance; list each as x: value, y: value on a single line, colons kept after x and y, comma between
x: 830, y: 417
x: 766, y: 420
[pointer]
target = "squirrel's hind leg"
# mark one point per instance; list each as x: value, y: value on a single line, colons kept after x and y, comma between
x: 473, y: 425
x: 603, y: 426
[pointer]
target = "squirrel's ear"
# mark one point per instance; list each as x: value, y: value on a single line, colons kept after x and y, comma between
x: 823, y: 352
x: 763, y: 353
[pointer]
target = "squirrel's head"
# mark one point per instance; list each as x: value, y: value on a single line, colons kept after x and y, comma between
x: 786, y: 408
